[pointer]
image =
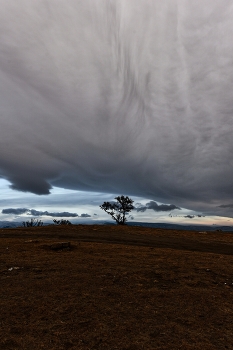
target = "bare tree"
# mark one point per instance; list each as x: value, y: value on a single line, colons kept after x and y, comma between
x: 119, y: 209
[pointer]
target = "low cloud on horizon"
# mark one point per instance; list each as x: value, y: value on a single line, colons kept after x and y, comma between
x: 127, y: 97
x: 33, y: 212
x: 156, y: 207
x: 85, y: 216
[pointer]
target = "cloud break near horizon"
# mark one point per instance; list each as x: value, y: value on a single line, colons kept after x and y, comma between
x: 129, y: 97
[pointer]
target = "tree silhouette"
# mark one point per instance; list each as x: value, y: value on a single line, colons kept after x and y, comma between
x: 119, y: 209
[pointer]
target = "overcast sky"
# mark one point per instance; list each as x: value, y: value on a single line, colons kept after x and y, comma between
x: 118, y: 97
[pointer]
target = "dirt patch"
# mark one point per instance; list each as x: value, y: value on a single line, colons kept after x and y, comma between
x: 115, y: 288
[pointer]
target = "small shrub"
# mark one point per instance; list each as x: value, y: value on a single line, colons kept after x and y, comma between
x: 33, y: 222
x: 61, y: 222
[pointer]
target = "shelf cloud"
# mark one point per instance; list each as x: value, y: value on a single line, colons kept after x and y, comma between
x: 131, y: 97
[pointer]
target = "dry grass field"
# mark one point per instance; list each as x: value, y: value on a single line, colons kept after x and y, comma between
x: 126, y: 288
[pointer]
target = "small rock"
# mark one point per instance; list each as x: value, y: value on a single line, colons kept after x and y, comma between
x: 14, y: 268
x: 60, y: 246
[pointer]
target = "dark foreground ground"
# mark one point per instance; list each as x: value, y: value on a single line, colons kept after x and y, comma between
x: 115, y: 288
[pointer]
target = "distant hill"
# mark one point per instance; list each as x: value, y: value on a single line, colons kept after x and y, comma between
x: 10, y: 224
x: 182, y: 227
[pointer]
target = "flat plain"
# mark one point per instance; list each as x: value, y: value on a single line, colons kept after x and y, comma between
x: 114, y: 287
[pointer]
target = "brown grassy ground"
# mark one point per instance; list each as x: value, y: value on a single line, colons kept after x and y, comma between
x: 116, y: 288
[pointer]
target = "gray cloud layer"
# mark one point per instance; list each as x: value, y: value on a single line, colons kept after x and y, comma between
x: 130, y: 97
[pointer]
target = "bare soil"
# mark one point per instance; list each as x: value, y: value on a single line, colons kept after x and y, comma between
x: 115, y: 287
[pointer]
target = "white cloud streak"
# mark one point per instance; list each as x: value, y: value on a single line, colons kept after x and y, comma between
x: 130, y: 97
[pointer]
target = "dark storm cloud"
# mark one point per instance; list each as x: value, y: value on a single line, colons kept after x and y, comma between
x: 20, y: 211
x: 156, y: 207
x: 118, y: 96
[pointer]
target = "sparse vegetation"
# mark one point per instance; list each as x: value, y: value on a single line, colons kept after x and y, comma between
x: 32, y: 223
x: 62, y: 222
x: 119, y: 209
